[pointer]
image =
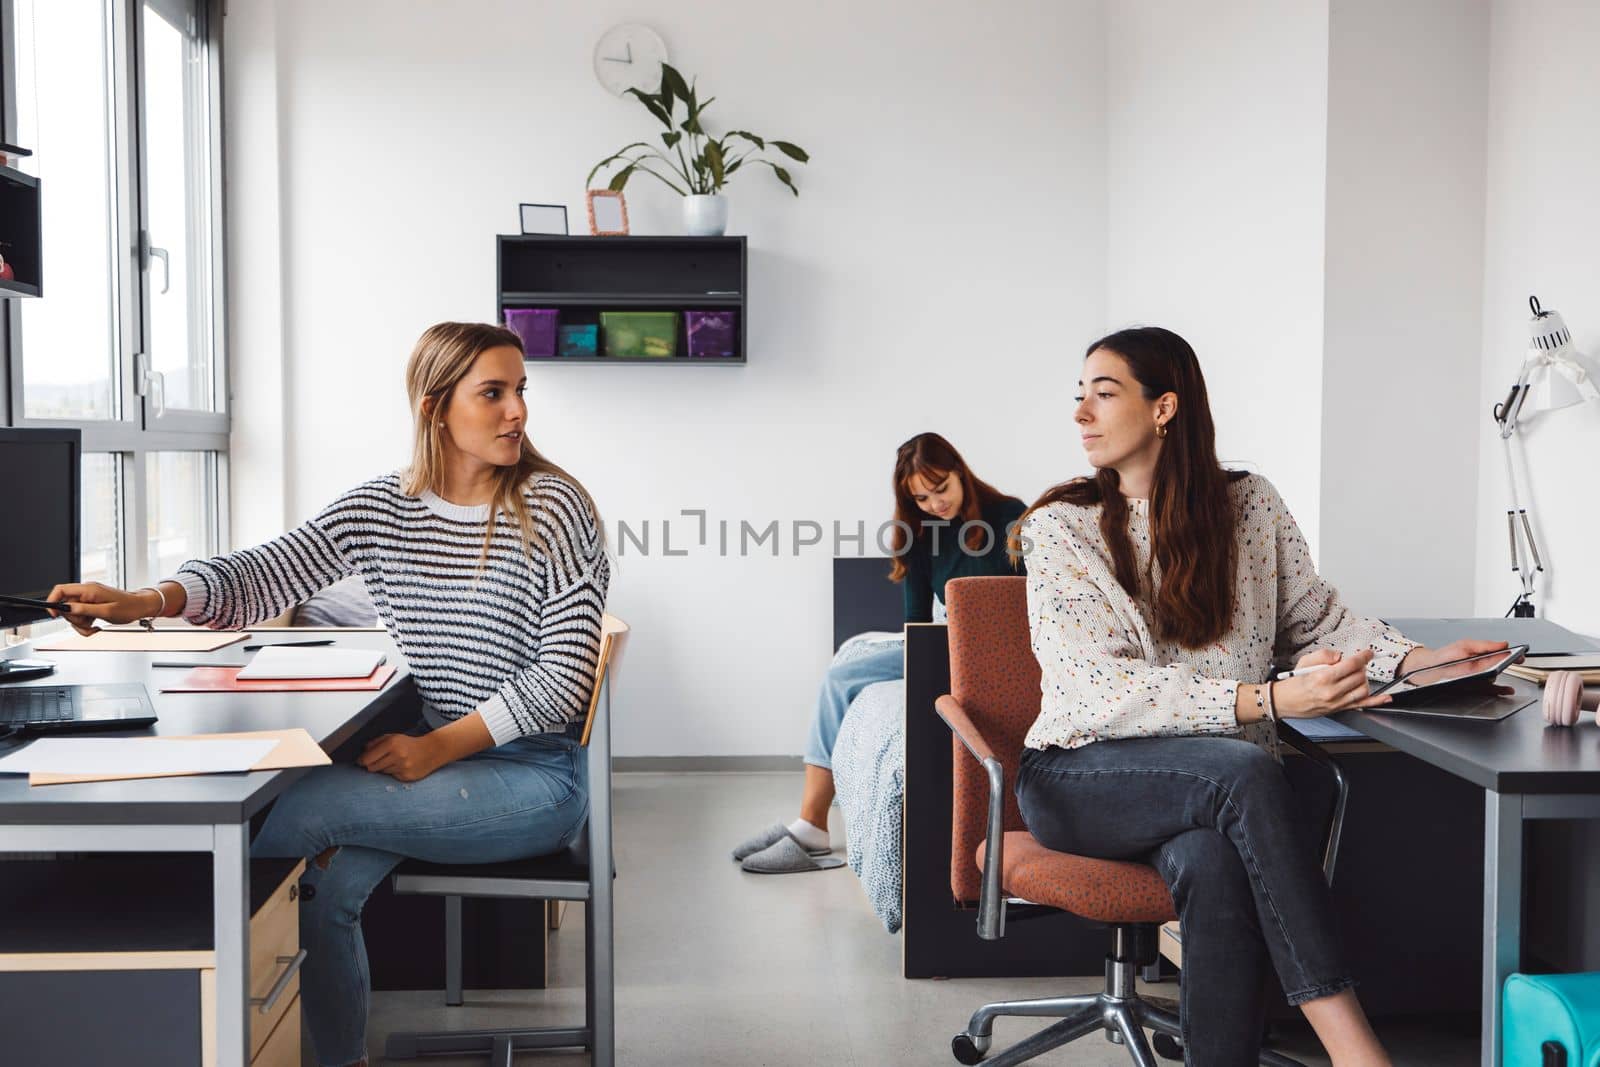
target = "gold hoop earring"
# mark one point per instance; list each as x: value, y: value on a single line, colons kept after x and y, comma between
x: 1161, y: 429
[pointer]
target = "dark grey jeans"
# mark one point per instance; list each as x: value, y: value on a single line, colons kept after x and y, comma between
x: 1217, y: 818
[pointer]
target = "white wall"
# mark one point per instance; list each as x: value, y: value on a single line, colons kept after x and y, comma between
x: 1217, y: 122
x: 258, y: 371
x: 941, y: 270
x: 1407, y: 102
x: 1543, y: 238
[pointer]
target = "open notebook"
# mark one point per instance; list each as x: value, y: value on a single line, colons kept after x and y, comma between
x: 276, y: 661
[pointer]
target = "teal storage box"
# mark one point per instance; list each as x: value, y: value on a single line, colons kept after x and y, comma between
x: 1551, y: 1020
x: 578, y: 342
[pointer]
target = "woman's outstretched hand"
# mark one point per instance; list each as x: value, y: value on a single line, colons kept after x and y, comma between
x: 1340, y: 684
x: 83, y: 603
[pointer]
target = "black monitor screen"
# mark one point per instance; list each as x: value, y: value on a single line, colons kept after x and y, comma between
x: 39, y: 516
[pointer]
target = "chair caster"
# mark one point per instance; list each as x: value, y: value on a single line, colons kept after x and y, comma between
x: 1167, y: 1047
x: 968, y: 1049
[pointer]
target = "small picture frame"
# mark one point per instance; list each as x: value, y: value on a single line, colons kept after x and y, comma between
x: 608, y: 213
x: 543, y: 218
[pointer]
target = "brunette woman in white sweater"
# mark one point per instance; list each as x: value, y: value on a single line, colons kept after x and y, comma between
x: 1161, y: 593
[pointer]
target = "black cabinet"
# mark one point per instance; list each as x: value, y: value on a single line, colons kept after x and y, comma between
x: 20, y: 232
x: 582, y: 277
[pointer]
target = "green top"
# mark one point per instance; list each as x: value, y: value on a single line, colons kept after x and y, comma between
x: 927, y: 570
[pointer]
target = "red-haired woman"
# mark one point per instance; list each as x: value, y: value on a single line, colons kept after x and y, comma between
x: 949, y: 523
x: 1160, y: 593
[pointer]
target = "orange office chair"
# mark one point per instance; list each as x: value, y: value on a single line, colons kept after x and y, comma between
x: 994, y: 699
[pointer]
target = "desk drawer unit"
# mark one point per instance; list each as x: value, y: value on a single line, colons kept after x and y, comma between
x: 274, y: 960
x: 109, y: 960
x: 282, y: 1046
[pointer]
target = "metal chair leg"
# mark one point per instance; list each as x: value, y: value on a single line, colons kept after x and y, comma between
x: 1155, y: 1015
x: 1133, y: 1039
x: 981, y: 1025
x: 452, y: 951
x: 1053, y: 1036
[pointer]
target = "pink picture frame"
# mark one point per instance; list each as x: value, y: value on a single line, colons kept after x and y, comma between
x: 611, y: 220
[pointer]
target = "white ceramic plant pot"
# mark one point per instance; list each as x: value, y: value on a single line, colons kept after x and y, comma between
x: 705, y: 215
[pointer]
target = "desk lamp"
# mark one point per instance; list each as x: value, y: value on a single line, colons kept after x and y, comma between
x: 1555, y: 375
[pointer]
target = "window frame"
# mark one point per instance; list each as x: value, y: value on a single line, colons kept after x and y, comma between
x: 138, y: 428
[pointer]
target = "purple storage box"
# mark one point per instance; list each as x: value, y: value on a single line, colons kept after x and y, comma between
x: 712, y: 334
x: 537, y: 328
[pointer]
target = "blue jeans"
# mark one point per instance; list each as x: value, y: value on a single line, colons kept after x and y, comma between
x: 1217, y: 818
x: 884, y: 663
x: 527, y: 797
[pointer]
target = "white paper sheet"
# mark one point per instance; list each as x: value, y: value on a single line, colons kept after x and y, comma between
x: 114, y: 755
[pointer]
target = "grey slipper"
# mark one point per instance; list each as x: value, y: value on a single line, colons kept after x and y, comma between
x: 788, y: 856
x: 766, y: 839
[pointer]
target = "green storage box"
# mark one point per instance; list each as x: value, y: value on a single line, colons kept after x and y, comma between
x: 632, y: 334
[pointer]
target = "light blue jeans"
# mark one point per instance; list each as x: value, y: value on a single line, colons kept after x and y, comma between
x: 882, y: 663
x: 527, y: 797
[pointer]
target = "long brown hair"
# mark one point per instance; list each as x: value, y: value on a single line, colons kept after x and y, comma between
x: 935, y: 459
x: 442, y: 357
x: 1192, y: 516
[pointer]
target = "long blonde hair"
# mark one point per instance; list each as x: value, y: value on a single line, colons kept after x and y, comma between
x: 442, y: 357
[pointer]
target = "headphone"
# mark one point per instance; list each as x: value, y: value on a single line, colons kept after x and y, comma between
x: 1563, y: 698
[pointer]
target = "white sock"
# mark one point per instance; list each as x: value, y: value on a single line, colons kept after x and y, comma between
x: 812, y: 837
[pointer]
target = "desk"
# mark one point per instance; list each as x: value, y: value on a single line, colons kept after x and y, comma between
x: 209, y: 813
x: 1527, y: 771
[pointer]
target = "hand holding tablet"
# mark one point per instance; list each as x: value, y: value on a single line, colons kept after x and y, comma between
x: 1468, y: 673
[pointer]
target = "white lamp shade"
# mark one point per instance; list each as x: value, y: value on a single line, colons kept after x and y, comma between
x: 1551, y: 390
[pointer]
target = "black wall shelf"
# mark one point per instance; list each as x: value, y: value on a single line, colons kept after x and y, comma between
x: 20, y: 234
x: 580, y: 277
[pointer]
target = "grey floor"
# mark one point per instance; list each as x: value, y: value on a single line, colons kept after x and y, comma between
x: 719, y: 967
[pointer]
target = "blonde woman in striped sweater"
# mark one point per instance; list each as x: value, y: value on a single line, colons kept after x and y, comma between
x: 487, y: 565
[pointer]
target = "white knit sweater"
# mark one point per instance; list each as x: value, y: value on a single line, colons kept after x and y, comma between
x: 1105, y: 674
x: 517, y: 639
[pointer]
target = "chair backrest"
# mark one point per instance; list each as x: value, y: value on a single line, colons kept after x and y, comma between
x: 596, y: 742
x: 612, y: 632
x: 995, y: 678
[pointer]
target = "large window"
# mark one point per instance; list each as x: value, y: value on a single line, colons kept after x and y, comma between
x: 119, y: 99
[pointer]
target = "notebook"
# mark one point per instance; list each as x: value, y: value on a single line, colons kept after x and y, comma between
x: 226, y: 680
x: 142, y: 641
x: 279, y: 661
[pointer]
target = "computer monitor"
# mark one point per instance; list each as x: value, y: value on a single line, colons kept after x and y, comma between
x: 40, y: 516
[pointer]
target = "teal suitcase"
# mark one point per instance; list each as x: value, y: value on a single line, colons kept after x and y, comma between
x: 1551, y: 1020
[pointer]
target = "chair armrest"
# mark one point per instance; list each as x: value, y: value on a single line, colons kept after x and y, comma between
x: 1314, y: 752
x: 991, y: 900
x: 956, y: 717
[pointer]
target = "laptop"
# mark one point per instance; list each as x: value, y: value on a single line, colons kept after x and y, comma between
x: 54, y: 708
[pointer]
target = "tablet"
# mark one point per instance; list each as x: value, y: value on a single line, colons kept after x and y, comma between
x: 1459, y: 676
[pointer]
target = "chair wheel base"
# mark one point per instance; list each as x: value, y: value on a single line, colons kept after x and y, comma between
x: 1167, y: 1047
x: 967, y: 1050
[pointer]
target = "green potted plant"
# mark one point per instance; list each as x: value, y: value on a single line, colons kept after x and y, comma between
x: 690, y: 161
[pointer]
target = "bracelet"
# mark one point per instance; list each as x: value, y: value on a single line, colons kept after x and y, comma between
x: 1261, y: 699
x: 1272, y: 708
x: 148, y: 622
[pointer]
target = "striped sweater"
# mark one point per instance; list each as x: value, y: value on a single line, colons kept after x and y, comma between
x: 517, y: 640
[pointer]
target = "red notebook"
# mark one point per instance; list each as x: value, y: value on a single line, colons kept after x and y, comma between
x: 226, y: 680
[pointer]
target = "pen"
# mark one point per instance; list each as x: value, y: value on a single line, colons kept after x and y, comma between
x: 289, y: 644
x: 1302, y: 670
